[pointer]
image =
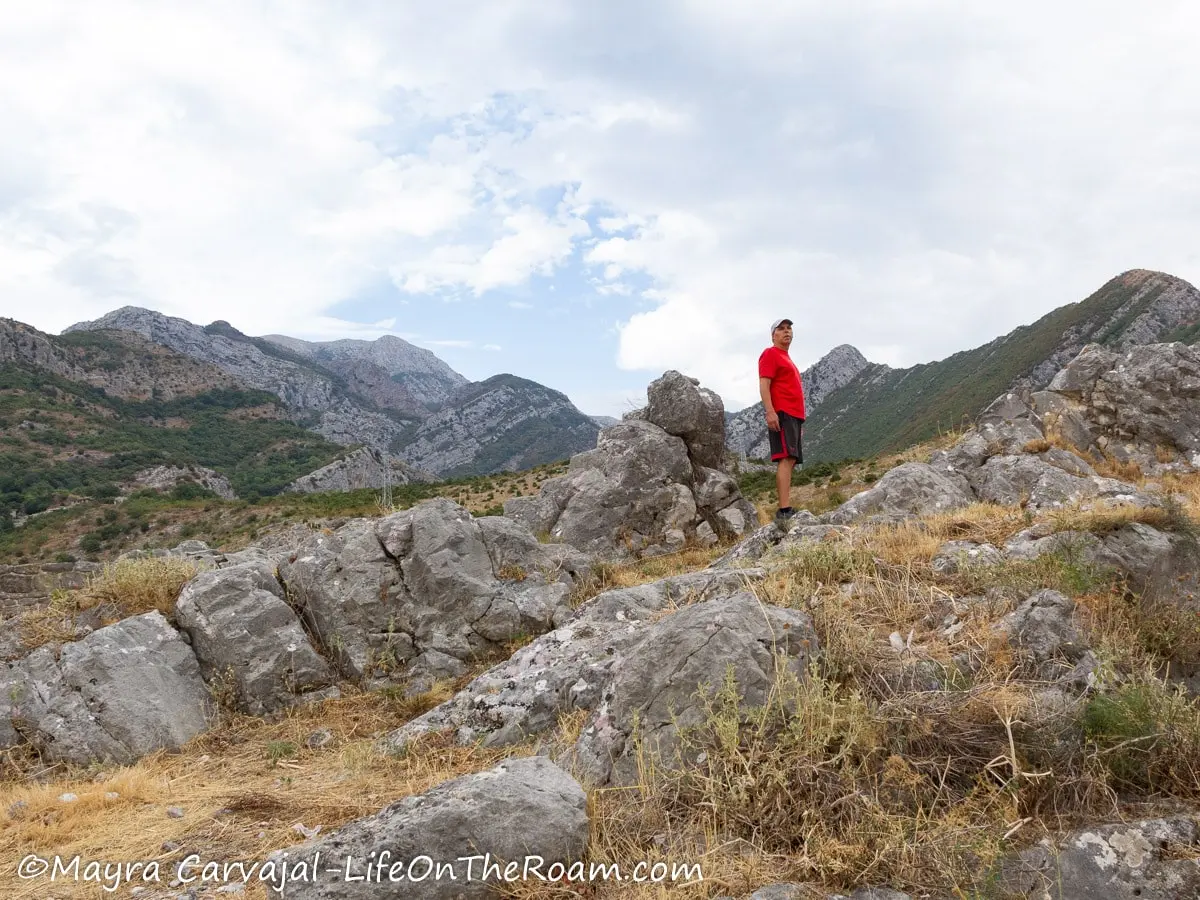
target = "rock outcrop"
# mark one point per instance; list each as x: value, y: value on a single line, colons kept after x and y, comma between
x: 1135, y: 408
x: 418, y: 594
x: 362, y: 468
x: 566, y: 669
x: 248, y: 640
x: 653, y: 482
x: 165, y: 478
x: 1138, y: 406
x: 656, y: 688
x: 1153, y: 859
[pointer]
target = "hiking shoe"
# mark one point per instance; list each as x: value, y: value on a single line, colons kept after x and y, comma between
x: 784, y: 516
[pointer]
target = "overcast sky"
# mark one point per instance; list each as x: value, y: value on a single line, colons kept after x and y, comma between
x: 588, y: 194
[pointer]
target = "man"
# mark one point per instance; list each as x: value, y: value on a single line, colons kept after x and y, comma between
x: 783, y: 399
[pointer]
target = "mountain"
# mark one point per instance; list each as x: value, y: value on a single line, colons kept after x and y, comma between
x: 503, y: 424
x: 386, y: 394
x: 92, y: 414
x: 414, y: 370
x: 746, y: 431
x: 312, y: 396
x: 882, y: 409
x: 604, y: 421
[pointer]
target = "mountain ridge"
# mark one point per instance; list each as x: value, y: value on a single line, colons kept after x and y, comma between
x: 385, y: 394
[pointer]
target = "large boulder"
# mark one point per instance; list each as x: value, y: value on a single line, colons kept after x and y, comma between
x: 680, y: 407
x: 911, y: 489
x: 657, y: 686
x: 636, y: 492
x: 526, y: 812
x: 247, y: 637
x: 565, y: 670
x: 123, y: 691
x: 654, y: 482
x: 421, y: 593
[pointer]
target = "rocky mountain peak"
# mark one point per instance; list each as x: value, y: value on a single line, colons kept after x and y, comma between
x: 835, y: 369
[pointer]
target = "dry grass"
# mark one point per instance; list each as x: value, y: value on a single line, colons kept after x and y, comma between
x: 242, y: 788
x: 137, y: 586
x: 1111, y: 467
x: 1105, y: 520
x: 127, y: 587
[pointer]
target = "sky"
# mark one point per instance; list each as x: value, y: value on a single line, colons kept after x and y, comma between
x: 589, y: 194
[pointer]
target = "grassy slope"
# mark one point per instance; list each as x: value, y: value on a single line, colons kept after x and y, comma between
x: 883, y: 412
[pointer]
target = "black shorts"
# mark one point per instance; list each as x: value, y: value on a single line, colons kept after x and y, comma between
x: 787, y: 440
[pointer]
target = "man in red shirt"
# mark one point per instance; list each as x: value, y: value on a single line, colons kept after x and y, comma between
x: 783, y: 399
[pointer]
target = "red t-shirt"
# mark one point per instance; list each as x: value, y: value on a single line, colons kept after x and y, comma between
x: 787, y: 393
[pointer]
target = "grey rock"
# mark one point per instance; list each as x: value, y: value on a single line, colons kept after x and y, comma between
x: 781, y: 892
x: 520, y: 809
x: 162, y: 478
x: 955, y: 556
x: 1043, y: 626
x: 910, y: 489
x: 123, y: 691
x: 362, y: 468
x: 655, y: 686
x: 399, y: 597
x: 680, y: 407
x: 514, y: 548
x: 242, y: 629
x: 1135, y: 861
x: 1029, y: 544
x: 352, y: 599
x: 565, y: 669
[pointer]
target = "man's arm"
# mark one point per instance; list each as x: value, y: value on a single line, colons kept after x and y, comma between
x: 764, y: 391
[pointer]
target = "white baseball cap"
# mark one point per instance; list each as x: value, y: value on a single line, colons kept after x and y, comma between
x: 779, y: 322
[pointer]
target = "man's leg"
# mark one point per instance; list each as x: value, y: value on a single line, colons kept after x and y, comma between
x: 783, y: 481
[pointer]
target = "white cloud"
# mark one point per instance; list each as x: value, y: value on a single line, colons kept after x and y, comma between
x: 913, y: 178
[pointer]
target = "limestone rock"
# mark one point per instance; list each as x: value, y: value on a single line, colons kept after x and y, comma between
x: 123, y: 691
x: 362, y: 468
x: 910, y: 489
x: 680, y: 407
x: 163, y: 478
x: 410, y: 594
x: 655, y: 685
x: 520, y: 809
x: 242, y: 630
x: 1154, y: 859
x: 955, y: 556
x: 566, y: 669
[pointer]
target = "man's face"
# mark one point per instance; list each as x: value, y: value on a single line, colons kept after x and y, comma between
x: 782, y: 336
